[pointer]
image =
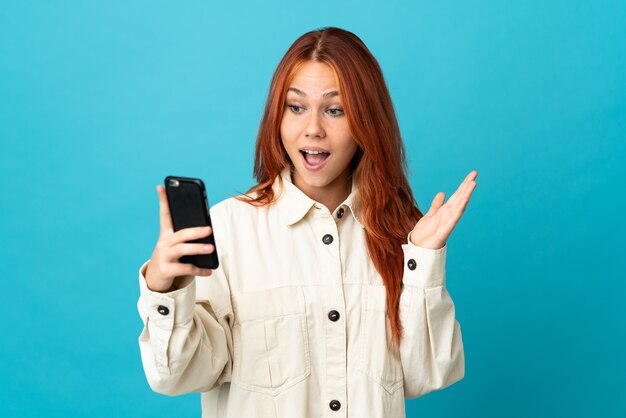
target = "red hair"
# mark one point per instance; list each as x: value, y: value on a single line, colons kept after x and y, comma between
x: 388, y: 208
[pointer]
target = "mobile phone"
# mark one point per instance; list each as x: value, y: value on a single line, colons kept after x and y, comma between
x: 189, y: 207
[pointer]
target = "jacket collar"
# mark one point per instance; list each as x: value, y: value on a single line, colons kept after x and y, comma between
x: 294, y: 204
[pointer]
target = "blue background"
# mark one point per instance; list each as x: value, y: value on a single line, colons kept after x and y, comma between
x: 99, y: 101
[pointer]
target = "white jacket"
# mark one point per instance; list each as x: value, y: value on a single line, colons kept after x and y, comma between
x: 293, y: 323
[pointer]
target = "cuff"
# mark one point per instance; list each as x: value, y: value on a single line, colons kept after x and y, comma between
x: 167, y: 309
x: 424, y: 267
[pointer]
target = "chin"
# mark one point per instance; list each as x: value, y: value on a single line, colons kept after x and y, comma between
x: 315, y: 179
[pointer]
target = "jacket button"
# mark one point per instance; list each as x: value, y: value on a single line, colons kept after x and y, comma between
x: 412, y: 264
x: 335, y: 405
x: 333, y: 315
x: 327, y: 239
x: 340, y: 213
x: 163, y: 310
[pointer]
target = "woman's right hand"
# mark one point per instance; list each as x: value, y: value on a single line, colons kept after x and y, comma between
x: 164, y: 266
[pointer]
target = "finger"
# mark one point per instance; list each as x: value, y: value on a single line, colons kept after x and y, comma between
x: 452, y: 200
x: 460, y: 207
x: 463, y: 198
x: 455, y: 213
x: 164, y: 212
x: 471, y: 178
x: 180, y: 250
x: 190, y: 234
x: 461, y: 190
x: 436, y: 203
x: 188, y: 269
x: 458, y: 212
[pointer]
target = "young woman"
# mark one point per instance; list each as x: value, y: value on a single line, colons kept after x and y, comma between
x: 330, y: 299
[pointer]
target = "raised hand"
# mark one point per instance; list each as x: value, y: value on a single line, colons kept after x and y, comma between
x: 164, y: 266
x: 434, y: 228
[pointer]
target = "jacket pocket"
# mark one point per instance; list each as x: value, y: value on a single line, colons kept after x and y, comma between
x: 378, y: 359
x: 270, y: 339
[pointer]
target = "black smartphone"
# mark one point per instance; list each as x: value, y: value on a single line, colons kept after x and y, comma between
x: 189, y: 207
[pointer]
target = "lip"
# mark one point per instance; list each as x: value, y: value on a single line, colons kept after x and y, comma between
x: 314, y: 167
x: 314, y: 149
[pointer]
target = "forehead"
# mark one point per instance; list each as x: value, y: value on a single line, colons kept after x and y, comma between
x: 314, y: 78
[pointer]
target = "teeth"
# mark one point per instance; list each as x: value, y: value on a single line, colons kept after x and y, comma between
x: 314, y: 152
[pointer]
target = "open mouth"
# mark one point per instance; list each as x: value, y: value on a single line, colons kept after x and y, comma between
x: 314, y: 160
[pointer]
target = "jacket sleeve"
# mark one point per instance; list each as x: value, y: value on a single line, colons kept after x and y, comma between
x: 186, y: 342
x: 431, y: 349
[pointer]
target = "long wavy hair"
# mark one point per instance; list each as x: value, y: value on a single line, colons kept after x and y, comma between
x: 388, y: 208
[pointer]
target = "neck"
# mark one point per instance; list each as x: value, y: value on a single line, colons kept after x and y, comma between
x: 331, y: 195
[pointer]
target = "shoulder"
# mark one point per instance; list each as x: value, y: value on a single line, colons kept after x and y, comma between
x: 233, y: 208
x: 233, y: 218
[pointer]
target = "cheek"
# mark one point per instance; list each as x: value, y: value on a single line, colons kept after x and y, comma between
x: 349, y: 147
x: 287, y: 131
x: 349, y: 153
x: 342, y: 132
x: 284, y: 137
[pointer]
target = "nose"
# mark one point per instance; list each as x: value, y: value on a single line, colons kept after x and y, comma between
x: 314, y: 127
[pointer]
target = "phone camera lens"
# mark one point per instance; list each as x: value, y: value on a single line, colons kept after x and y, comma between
x: 173, y: 183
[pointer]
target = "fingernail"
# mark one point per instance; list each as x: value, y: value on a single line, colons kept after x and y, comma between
x: 207, y: 247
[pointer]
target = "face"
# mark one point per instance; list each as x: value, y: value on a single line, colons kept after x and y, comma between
x: 315, y: 132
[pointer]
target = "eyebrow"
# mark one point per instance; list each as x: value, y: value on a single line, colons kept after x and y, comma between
x: 326, y: 95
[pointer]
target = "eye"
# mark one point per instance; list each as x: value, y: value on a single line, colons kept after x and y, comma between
x: 294, y: 108
x: 338, y: 109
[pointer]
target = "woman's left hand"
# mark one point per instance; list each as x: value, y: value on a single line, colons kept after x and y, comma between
x: 434, y: 228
